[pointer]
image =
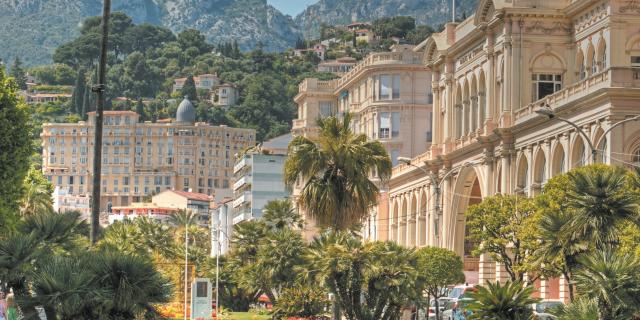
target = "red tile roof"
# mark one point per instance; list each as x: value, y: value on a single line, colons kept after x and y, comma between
x: 193, y: 195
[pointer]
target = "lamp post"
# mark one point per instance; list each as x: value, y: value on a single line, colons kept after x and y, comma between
x: 436, y: 182
x: 547, y: 112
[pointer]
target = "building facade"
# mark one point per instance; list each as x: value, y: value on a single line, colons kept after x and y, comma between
x: 339, y: 66
x: 64, y: 201
x: 141, y: 159
x: 225, y: 95
x: 490, y: 73
x: 221, y: 227
x: 259, y: 179
x: 203, y: 81
x: 141, y: 209
x: 389, y: 97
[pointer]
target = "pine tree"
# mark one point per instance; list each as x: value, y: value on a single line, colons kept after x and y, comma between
x: 189, y: 89
x: 18, y: 74
x: 78, y: 92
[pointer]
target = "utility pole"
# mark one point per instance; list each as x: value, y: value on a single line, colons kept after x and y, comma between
x: 99, y: 88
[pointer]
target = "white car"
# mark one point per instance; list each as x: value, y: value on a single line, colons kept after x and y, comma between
x: 541, y: 309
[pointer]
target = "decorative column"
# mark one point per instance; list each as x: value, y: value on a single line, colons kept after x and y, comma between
x: 436, y: 125
x: 474, y: 114
x: 446, y: 215
x: 433, y: 223
x: 459, y: 122
x: 482, y: 105
x: 466, y: 117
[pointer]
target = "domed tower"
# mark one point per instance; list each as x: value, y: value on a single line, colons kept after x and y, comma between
x: 186, y: 112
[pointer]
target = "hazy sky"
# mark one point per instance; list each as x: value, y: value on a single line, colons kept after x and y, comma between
x: 291, y: 7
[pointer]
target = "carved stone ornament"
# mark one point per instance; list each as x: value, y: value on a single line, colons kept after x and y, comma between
x: 631, y: 7
x: 539, y: 27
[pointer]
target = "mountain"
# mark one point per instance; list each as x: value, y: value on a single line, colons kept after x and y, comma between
x: 32, y: 29
x: 341, y: 12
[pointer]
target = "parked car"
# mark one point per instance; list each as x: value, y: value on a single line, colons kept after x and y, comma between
x: 541, y: 309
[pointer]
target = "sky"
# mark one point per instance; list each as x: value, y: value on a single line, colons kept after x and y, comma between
x: 291, y: 7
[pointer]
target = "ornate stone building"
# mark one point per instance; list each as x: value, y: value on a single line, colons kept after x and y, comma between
x: 490, y: 74
x: 389, y: 97
x: 141, y: 159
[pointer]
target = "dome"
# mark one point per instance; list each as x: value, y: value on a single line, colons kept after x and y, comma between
x: 186, y: 112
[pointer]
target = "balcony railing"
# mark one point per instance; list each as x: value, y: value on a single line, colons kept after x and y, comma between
x: 243, y: 198
x: 240, y: 183
x: 615, y: 77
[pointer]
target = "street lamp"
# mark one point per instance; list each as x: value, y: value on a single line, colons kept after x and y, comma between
x: 436, y: 182
x: 547, y: 112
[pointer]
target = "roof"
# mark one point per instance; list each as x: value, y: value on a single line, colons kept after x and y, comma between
x: 115, y: 112
x: 192, y: 195
x: 281, y: 142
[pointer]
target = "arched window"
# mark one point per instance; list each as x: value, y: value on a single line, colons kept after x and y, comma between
x: 594, y: 65
x: 561, y: 161
x: 636, y: 157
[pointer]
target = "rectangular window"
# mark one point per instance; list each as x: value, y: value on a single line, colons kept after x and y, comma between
x: 395, y: 124
x: 385, y: 87
x: 385, y: 125
x: 125, y: 181
x: 167, y: 180
x: 326, y: 109
x: 394, y: 157
x: 545, y: 84
x: 186, y: 182
x: 635, y: 61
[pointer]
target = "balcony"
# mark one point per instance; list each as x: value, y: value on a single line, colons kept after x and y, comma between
x: 243, y: 181
x: 614, y: 78
x: 243, y: 198
x: 242, y: 216
x: 239, y: 165
x: 382, y: 58
x: 299, y: 123
x: 315, y: 85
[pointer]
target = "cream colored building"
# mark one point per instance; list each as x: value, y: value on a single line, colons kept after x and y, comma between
x: 491, y: 73
x: 389, y: 97
x: 141, y: 159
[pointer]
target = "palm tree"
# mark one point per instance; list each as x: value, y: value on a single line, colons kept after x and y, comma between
x: 183, y: 218
x: 280, y: 214
x: 579, y: 309
x: 55, y: 229
x: 612, y: 280
x: 602, y: 198
x: 558, y: 248
x: 369, y: 280
x: 335, y: 168
x: 511, y: 301
x: 134, y: 285
x: 64, y: 287
x: 36, y: 198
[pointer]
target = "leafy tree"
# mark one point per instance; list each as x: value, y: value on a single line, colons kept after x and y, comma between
x: 55, y: 74
x: 189, y: 89
x: 438, y: 268
x: 16, y: 147
x: 37, y: 194
x: 604, y: 199
x: 335, y: 166
x: 504, y: 227
x: 394, y: 26
x: 86, y: 102
x: 18, y: 74
x: 146, y: 36
x: 511, y: 301
x: 612, y: 280
x: 419, y: 34
x: 192, y: 38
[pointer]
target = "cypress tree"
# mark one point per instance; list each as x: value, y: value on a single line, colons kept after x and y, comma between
x: 78, y: 92
x: 236, y: 49
x: 140, y: 110
x: 86, y: 103
x: 18, y: 74
x: 189, y: 89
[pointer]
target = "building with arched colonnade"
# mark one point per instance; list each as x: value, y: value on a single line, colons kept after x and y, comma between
x: 490, y: 73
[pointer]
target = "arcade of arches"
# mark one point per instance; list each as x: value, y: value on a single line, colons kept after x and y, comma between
x: 490, y: 73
